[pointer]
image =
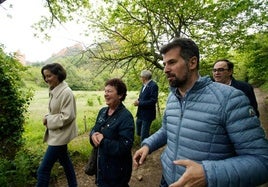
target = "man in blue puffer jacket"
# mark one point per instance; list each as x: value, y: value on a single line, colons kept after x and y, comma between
x: 212, y: 136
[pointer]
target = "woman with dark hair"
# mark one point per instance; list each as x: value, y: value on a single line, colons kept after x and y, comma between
x: 113, y: 135
x: 60, y: 125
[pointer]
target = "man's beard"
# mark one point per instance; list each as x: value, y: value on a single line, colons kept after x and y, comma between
x: 177, y: 83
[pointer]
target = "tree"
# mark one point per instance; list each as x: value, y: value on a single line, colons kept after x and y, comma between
x: 13, y: 105
x: 131, y: 32
x: 256, y: 53
x: 61, y: 12
x: 135, y: 30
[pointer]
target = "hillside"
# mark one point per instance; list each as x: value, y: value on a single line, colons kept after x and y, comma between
x: 70, y: 51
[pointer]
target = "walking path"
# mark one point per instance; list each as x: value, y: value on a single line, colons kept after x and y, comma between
x: 263, y: 109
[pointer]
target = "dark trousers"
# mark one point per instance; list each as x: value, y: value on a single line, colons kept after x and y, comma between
x: 163, y: 182
x: 143, y: 128
x: 53, y: 154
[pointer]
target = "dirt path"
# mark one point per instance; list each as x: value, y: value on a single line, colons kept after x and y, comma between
x: 263, y: 108
x: 151, y: 170
x: 262, y: 99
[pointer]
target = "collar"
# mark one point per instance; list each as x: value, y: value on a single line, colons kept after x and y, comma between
x: 58, y: 89
x: 145, y: 84
x: 199, y: 84
x: 177, y: 92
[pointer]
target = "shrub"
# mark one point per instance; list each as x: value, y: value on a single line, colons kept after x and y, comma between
x: 5, y: 171
x: 21, y: 171
x: 90, y: 102
x: 14, y: 101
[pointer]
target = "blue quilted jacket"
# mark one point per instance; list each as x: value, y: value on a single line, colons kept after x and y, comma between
x: 214, y: 126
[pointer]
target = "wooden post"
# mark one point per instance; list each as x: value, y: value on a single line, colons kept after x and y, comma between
x: 85, y: 122
x: 158, y: 109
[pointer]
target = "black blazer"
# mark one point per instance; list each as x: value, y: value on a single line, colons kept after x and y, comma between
x: 147, y: 102
x: 249, y: 92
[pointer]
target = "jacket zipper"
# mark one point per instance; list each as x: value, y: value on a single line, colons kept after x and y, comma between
x: 182, y: 103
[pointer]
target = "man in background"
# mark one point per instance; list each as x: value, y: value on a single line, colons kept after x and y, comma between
x: 146, y: 104
x: 223, y: 73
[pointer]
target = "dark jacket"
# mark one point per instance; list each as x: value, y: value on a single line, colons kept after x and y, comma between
x: 114, y: 154
x: 147, y: 101
x: 249, y: 92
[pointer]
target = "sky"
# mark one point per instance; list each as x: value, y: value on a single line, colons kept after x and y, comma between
x: 16, y: 33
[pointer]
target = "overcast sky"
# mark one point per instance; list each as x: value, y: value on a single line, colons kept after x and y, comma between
x: 16, y: 32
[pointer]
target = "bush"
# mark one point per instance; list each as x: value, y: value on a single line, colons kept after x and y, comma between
x: 14, y: 101
x: 90, y: 102
x: 5, y: 171
x: 156, y: 124
x: 21, y: 171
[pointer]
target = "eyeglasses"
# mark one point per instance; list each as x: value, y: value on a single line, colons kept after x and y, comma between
x: 219, y: 70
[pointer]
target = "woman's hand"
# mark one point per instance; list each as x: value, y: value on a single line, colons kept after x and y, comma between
x: 45, y: 120
x: 97, y: 138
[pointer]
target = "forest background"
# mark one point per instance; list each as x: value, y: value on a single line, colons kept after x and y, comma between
x: 131, y: 34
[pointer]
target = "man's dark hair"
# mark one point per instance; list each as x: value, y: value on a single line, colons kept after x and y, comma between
x: 120, y: 87
x: 188, y: 48
x: 230, y: 65
x: 56, y: 69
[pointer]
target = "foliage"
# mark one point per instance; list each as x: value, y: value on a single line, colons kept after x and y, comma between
x: 90, y: 102
x: 257, y: 55
x: 132, y: 32
x: 135, y: 30
x: 21, y: 171
x: 14, y: 100
x: 61, y: 12
x: 5, y: 170
x: 32, y: 76
x: 250, y: 61
x: 25, y: 167
x: 82, y: 75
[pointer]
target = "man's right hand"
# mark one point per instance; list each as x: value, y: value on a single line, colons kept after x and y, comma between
x: 140, y: 156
